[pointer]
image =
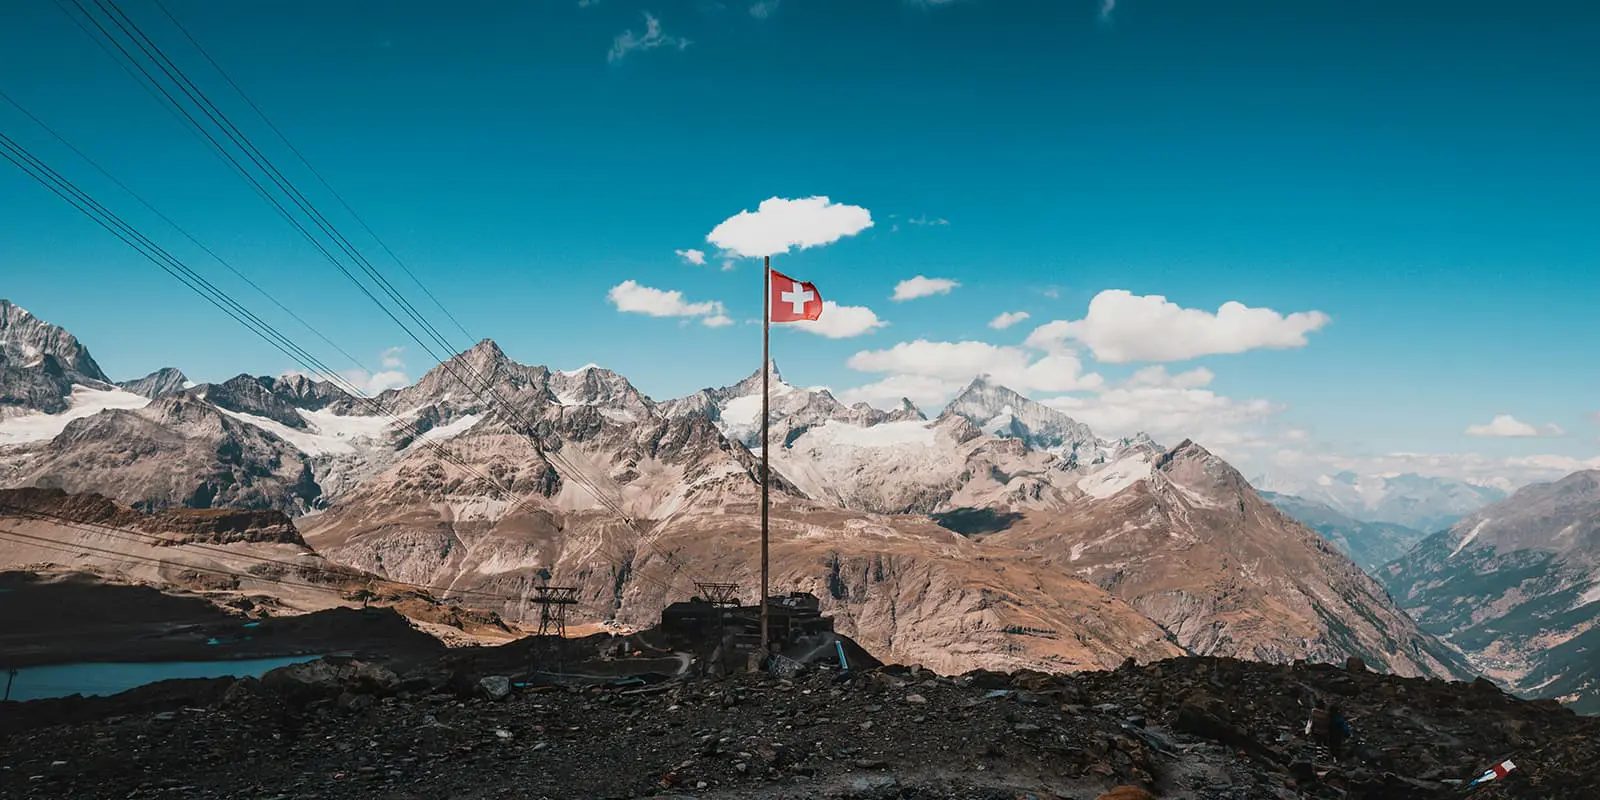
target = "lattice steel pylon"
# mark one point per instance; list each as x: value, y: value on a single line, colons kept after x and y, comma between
x: 553, y: 602
x: 721, y: 595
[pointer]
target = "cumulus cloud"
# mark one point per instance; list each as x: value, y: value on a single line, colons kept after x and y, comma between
x: 1007, y: 319
x: 913, y: 288
x: 391, y: 376
x: 940, y: 369
x: 839, y: 322
x: 1158, y: 377
x: 1505, y: 426
x: 1174, y: 407
x: 692, y: 256
x: 1122, y: 327
x: 628, y: 41
x: 630, y: 297
x: 926, y: 392
x: 779, y: 224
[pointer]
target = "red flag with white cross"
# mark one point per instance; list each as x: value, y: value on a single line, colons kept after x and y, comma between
x: 792, y: 300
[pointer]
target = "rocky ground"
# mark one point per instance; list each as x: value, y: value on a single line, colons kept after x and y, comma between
x: 1184, y: 728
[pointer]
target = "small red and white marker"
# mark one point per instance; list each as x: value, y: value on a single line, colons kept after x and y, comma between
x: 1495, y: 772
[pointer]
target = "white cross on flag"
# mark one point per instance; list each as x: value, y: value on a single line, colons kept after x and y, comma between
x: 793, y: 300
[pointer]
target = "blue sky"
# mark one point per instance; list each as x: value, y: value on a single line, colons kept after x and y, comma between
x: 1426, y: 180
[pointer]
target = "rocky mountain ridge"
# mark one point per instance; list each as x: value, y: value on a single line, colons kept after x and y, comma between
x: 486, y: 471
x: 1517, y: 587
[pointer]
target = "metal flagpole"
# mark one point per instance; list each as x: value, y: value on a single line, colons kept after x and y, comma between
x: 766, y: 369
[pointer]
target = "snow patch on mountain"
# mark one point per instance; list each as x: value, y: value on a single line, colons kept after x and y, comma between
x: 448, y: 431
x: 37, y: 426
x: 886, y: 434
x: 1593, y: 595
x: 741, y: 416
x: 328, y: 434
x: 1469, y: 538
x: 1112, y: 478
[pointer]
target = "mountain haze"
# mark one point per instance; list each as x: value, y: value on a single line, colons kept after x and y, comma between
x: 1052, y: 547
x: 1517, y: 586
x: 1370, y: 544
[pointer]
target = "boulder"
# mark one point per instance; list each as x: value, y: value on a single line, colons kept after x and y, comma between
x: 494, y: 687
x: 306, y: 680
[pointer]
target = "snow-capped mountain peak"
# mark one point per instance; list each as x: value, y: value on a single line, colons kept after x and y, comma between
x: 999, y: 411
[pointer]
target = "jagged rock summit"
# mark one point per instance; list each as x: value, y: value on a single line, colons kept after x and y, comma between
x: 166, y: 380
x: 40, y: 364
x: 999, y: 411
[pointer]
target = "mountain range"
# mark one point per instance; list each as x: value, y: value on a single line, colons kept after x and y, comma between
x: 1371, y: 544
x: 999, y: 533
x: 1418, y: 502
x: 1517, y: 587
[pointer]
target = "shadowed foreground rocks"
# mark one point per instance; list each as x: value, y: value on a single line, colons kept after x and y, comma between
x: 1184, y: 728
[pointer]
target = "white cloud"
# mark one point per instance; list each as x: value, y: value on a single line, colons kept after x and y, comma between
x: 630, y: 297
x: 1171, y: 408
x: 378, y: 382
x: 926, y: 392
x: 763, y: 9
x: 1007, y: 319
x: 1158, y: 377
x: 628, y: 41
x: 939, y: 369
x: 692, y: 256
x: 924, y: 220
x: 1121, y: 327
x: 392, y: 376
x: 1505, y: 426
x: 913, y: 288
x: 779, y: 224
x: 839, y: 322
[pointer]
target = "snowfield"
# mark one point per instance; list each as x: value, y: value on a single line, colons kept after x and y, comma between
x: 1116, y: 476
x: 885, y: 434
x: 330, y: 434
x: 37, y: 426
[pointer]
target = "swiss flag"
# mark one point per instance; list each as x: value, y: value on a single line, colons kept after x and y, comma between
x: 792, y: 300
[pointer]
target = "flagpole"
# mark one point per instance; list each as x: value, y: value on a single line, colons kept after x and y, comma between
x: 766, y: 370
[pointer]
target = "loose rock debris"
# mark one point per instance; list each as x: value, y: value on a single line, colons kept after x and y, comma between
x: 1185, y: 728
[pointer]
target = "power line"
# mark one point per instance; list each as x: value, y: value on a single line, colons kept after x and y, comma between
x: 186, y: 234
x: 239, y: 139
x: 308, y: 166
x: 86, y: 205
